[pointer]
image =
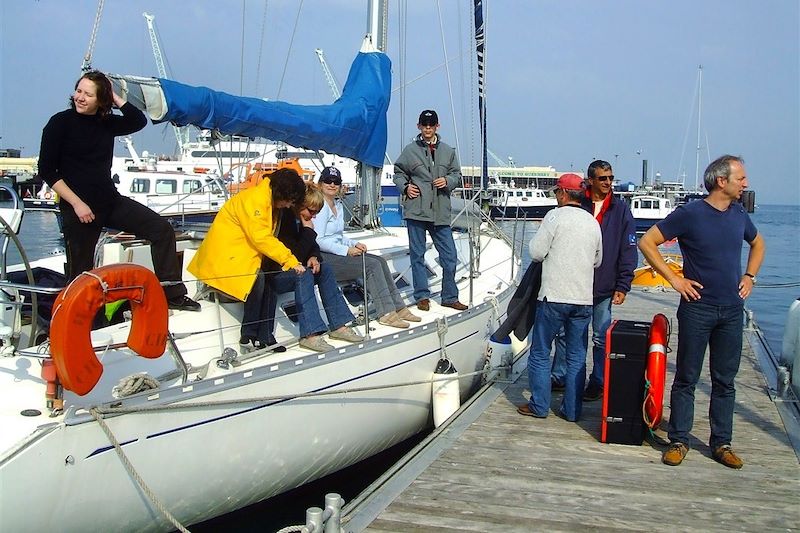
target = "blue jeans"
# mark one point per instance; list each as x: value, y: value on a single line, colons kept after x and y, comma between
x: 720, y: 328
x: 443, y: 242
x: 258, y: 321
x: 550, y: 318
x: 333, y: 302
x: 601, y: 319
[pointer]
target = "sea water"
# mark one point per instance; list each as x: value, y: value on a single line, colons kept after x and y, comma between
x: 778, y: 285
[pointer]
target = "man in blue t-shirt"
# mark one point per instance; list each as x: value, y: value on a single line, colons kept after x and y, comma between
x: 710, y: 233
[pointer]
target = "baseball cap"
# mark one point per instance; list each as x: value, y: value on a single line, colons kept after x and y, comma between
x: 570, y: 182
x: 428, y: 118
x: 330, y: 175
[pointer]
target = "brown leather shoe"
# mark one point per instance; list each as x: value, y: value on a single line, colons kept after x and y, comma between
x: 525, y: 410
x: 725, y: 455
x: 424, y: 304
x: 455, y: 305
x: 675, y: 454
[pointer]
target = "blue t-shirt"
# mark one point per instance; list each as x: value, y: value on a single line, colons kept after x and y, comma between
x: 711, y: 244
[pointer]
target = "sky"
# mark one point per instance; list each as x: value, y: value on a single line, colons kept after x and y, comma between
x: 568, y: 81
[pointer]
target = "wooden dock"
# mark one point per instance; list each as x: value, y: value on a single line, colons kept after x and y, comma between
x: 494, y: 470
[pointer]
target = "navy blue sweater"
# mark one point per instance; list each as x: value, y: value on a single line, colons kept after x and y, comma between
x: 620, y: 255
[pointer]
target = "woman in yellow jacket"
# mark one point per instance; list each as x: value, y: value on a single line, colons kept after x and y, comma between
x: 229, y: 258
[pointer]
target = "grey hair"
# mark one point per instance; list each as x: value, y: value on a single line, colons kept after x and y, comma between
x: 719, y: 168
x: 574, y: 196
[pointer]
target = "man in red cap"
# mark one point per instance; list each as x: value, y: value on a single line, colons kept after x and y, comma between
x: 612, y: 279
x: 569, y: 245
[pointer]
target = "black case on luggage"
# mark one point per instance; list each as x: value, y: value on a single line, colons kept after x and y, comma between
x: 627, y: 346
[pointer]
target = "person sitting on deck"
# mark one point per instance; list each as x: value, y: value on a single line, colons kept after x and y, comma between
x: 344, y: 255
x: 229, y: 258
x: 296, y: 231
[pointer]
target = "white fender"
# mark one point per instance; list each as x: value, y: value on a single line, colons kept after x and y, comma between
x: 790, y: 351
x: 446, y: 395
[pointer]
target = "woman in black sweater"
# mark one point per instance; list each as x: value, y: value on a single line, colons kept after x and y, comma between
x: 75, y: 161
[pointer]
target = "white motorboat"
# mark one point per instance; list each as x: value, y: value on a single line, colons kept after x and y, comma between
x: 648, y: 209
x: 508, y: 202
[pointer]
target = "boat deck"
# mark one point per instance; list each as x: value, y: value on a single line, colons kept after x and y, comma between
x: 494, y: 470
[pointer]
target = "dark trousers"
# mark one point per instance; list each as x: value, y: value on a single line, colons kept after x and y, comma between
x: 719, y: 328
x: 128, y: 215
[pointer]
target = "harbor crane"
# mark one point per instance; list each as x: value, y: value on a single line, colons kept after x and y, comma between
x: 86, y: 65
x: 181, y: 133
x: 328, y: 74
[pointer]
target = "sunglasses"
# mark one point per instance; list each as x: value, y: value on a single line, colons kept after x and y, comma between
x: 312, y: 212
x: 331, y: 180
x: 604, y: 178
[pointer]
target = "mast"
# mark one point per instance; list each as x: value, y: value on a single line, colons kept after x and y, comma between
x: 699, y: 108
x: 480, y: 51
x: 369, y: 177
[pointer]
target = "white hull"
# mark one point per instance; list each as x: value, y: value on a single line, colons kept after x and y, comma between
x: 203, y: 461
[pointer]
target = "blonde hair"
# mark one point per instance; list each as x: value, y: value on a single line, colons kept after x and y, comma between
x: 314, y: 199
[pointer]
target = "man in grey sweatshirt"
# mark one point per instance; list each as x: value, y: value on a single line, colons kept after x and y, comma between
x: 569, y: 246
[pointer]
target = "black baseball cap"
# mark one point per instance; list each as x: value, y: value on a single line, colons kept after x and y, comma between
x: 331, y: 175
x: 428, y: 118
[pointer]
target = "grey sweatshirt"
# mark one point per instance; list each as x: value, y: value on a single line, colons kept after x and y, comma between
x: 570, y: 247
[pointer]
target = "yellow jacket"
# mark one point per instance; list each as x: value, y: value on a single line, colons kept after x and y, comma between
x: 243, y: 231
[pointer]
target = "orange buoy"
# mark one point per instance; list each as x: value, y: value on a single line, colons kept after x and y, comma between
x: 76, y: 306
x: 656, y: 372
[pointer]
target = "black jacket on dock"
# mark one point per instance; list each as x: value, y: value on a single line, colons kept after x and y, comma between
x: 521, y: 311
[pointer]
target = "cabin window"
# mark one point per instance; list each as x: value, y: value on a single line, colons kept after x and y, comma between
x: 192, y: 187
x: 667, y: 204
x: 164, y: 186
x: 140, y: 186
x: 647, y: 204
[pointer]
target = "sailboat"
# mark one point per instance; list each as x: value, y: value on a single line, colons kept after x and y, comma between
x: 167, y: 424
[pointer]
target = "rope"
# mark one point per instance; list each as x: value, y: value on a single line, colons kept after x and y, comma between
x: 269, y: 399
x: 134, y: 474
x: 441, y: 329
x: 134, y: 384
x: 288, y: 529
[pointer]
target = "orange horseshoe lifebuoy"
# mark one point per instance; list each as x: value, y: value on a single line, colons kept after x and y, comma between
x: 656, y: 372
x: 76, y: 306
x: 47, y: 196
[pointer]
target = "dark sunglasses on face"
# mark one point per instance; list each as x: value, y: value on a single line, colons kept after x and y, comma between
x: 312, y: 212
x: 604, y: 178
x: 335, y: 181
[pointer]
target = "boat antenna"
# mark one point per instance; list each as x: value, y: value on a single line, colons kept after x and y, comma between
x: 86, y: 66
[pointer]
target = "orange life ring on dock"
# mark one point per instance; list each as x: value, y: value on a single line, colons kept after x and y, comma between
x: 656, y: 372
x: 48, y: 196
x: 75, y: 309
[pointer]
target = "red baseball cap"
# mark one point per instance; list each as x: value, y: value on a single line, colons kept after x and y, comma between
x: 570, y: 182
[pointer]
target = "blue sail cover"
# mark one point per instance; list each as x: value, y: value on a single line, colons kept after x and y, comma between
x: 353, y: 126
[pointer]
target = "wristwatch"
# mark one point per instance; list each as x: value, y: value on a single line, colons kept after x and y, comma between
x: 751, y: 276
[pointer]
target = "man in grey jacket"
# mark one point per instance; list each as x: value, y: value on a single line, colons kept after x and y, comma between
x: 426, y: 171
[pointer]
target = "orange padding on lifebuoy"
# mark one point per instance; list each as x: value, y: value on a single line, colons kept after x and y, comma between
x: 76, y: 306
x: 656, y: 373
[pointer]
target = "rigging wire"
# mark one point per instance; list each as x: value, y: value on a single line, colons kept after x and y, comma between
x: 289, y: 51
x: 449, y: 82
x: 241, y: 56
x: 261, y: 46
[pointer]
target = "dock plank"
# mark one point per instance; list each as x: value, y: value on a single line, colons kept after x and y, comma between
x: 507, y: 472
